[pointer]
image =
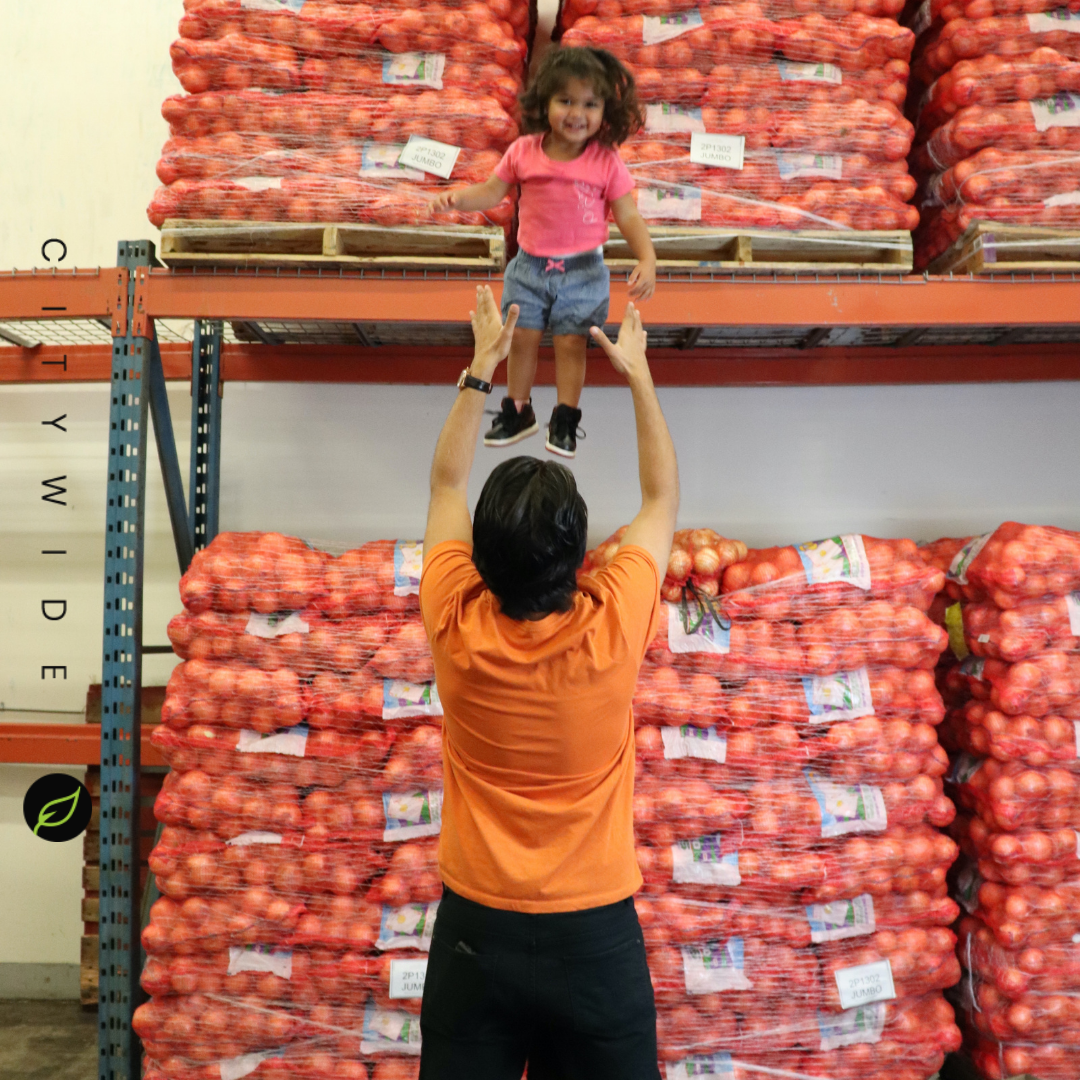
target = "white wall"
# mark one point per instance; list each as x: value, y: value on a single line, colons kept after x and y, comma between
x: 81, y: 131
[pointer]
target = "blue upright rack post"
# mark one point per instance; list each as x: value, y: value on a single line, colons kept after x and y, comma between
x: 121, y: 686
x: 205, y: 432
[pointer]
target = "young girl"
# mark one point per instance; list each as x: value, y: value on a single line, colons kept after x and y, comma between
x: 581, y: 105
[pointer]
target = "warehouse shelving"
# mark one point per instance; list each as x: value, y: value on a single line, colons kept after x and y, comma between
x: 137, y: 325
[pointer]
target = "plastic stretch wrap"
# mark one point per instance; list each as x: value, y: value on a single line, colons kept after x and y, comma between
x: 788, y: 799
x: 1013, y: 727
x: 815, y: 99
x: 297, y: 111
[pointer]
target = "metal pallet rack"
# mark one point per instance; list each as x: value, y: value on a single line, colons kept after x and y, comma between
x: 706, y: 329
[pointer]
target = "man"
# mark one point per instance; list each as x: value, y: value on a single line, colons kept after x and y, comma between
x: 537, y: 954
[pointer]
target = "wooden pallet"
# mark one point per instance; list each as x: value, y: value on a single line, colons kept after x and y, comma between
x: 987, y: 247
x: 766, y: 251
x: 255, y: 243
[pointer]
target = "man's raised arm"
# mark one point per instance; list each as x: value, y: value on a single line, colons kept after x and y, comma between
x: 654, y: 525
x: 448, y: 511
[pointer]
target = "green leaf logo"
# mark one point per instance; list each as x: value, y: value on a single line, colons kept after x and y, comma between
x: 45, y: 817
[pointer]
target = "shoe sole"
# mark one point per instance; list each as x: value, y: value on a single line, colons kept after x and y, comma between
x: 513, y: 438
x: 560, y: 451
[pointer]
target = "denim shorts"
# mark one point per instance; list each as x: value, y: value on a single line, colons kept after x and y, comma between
x: 567, y: 295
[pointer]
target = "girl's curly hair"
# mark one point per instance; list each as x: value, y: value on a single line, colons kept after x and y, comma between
x: 609, y: 79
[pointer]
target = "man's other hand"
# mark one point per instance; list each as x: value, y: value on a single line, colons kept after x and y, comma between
x: 491, y: 335
x: 627, y: 354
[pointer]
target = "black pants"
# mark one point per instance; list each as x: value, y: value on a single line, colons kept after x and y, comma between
x: 567, y: 992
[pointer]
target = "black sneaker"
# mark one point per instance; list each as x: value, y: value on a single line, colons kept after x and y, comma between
x: 511, y: 426
x: 563, y: 431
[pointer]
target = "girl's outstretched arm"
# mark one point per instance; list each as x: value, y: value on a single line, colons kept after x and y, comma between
x: 475, y: 197
x: 642, y: 280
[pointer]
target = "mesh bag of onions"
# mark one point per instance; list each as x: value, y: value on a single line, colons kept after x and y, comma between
x: 1013, y: 729
x: 298, y: 110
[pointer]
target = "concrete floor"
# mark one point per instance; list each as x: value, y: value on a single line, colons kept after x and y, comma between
x: 47, y: 1040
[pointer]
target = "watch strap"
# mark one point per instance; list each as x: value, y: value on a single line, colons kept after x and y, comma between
x: 471, y: 382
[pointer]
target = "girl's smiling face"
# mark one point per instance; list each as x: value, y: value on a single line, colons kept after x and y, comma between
x: 575, y: 113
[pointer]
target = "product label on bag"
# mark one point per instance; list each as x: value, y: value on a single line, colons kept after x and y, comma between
x: 272, y: 626
x: 839, y: 558
x: 272, y: 5
x: 973, y: 666
x: 409, y: 926
x: 701, y: 1065
x: 792, y: 72
x: 672, y: 203
x: 255, y: 836
x: 958, y: 568
x: 923, y: 18
x: 389, y: 1030
x: 865, y: 984
x: 707, y: 860
x: 407, y: 978
x: 714, y: 967
x: 414, y: 69
x: 437, y: 158
x: 693, y: 628
x: 237, y: 1067
x: 260, y: 958
x: 1061, y: 110
x: 411, y: 814
x: 1072, y: 606
x: 257, y: 183
x: 791, y: 166
x: 381, y: 159
x: 1076, y: 728
x: 862, y: 1025
x: 694, y: 742
x: 843, y: 696
x: 665, y: 119
x: 965, y: 767
x: 1066, y: 198
x: 659, y: 28
x: 408, y: 562
x: 288, y: 741
x: 968, y: 883
x: 719, y: 151
x: 847, y: 808
x: 1045, y: 22
x: 401, y: 698
x: 841, y: 919
x: 954, y: 624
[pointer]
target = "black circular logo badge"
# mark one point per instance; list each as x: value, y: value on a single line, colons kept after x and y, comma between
x: 57, y: 807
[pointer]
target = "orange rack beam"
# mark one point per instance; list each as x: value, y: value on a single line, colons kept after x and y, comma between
x: 66, y: 294
x: 63, y: 744
x: 742, y: 301
x: 699, y: 301
x: 404, y: 365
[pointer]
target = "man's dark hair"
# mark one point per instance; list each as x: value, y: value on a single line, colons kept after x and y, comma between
x: 609, y: 78
x: 529, y: 536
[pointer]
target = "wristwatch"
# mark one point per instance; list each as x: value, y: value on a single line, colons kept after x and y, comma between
x: 467, y: 380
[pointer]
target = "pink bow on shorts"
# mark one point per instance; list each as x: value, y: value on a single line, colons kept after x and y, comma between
x: 555, y: 264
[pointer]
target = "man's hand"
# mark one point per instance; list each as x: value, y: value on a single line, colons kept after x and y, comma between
x: 491, y: 334
x: 442, y: 202
x: 627, y: 354
x: 641, y: 283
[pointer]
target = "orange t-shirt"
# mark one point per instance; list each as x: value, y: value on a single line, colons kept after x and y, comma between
x: 538, y: 735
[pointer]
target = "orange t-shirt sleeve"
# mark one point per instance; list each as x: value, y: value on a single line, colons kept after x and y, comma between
x: 632, y: 584
x: 448, y: 573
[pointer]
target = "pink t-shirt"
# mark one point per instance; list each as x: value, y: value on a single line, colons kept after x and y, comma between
x: 563, y: 207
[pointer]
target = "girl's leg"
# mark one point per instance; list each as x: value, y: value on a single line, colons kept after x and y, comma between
x: 569, y: 367
x: 521, y: 364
